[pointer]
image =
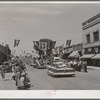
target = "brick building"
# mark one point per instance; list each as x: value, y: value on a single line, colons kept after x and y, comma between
x: 91, y: 40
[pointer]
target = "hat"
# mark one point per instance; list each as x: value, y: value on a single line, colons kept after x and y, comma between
x: 23, y: 73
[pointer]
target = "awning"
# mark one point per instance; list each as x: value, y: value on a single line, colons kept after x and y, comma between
x: 97, y: 56
x: 88, y: 56
x: 73, y: 54
x: 56, y: 58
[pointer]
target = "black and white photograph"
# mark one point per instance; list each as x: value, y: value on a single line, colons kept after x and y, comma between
x: 49, y: 46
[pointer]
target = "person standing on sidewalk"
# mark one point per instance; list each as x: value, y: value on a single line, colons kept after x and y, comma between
x: 79, y: 65
x: 85, y: 65
x: 75, y: 64
x: 3, y: 72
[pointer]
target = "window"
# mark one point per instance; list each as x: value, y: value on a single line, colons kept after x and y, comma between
x: 88, y: 38
x: 96, y: 36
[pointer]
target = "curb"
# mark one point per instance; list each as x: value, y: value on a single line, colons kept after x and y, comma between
x: 93, y: 68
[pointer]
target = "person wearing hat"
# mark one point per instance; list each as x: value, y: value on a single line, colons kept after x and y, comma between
x: 21, y: 82
x: 3, y: 72
x: 85, y: 65
x: 17, y: 72
x: 75, y: 64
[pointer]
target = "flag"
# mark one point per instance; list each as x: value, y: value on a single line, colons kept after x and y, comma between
x: 16, y: 42
x: 34, y: 42
x: 37, y: 43
x: 24, y: 51
x: 68, y: 42
x: 54, y: 42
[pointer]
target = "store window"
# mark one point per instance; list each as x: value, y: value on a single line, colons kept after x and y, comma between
x: 88, y: 38
x: 96, y: 36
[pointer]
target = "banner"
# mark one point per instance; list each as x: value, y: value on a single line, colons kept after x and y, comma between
x: 37, y: 44
x: 54, y: 43
x: 68, y: 42
x: 44, y: 46
x: 16, y: 42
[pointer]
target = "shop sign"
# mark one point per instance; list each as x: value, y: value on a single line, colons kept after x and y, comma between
x: 78, y: 47
x: 92, y: 44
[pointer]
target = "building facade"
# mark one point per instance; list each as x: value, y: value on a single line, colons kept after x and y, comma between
x: 91, y: 40
x: 4, y: 53
x: 77, y: 51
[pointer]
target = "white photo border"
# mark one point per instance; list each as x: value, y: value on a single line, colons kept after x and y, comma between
x: 43, y: 94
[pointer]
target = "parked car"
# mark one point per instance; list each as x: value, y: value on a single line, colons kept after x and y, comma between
x: 7, y: 67
x: 60, y: 68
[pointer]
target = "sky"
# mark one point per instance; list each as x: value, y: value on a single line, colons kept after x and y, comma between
x: 29, y: 22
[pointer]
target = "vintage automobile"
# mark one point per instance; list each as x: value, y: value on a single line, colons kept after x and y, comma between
x: 60, y: 68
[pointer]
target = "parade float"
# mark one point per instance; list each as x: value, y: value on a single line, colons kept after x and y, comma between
x: 43, y: 48
x: 59, y: 67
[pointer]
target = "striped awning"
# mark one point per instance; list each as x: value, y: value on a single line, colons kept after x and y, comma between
x: 88, y: 56
x: 97, y: 56
x: 73, y: 54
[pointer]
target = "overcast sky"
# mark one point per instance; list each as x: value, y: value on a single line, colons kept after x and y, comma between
x: 30, y: 22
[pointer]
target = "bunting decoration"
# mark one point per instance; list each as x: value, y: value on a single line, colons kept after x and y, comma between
x: 16, y: 42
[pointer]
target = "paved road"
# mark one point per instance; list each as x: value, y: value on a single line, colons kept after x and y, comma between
x: 41, y: 81
x: 82, y: 81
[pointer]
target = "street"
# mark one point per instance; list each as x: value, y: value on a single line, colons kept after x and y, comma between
x: 41, y: 81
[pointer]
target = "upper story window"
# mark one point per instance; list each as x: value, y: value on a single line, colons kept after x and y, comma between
x: 96, y: 36
x: 88, y: 38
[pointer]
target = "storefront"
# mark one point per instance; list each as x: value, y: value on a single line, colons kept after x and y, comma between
x: 91, y: 40
x: 96, y: 59
x: 77, y: 51
x: 88, y: 58
x: 92, y: 55
x: 67, y: 52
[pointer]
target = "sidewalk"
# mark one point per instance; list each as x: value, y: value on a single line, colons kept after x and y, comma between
x: 93, y: 68
x: 8, y: 83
